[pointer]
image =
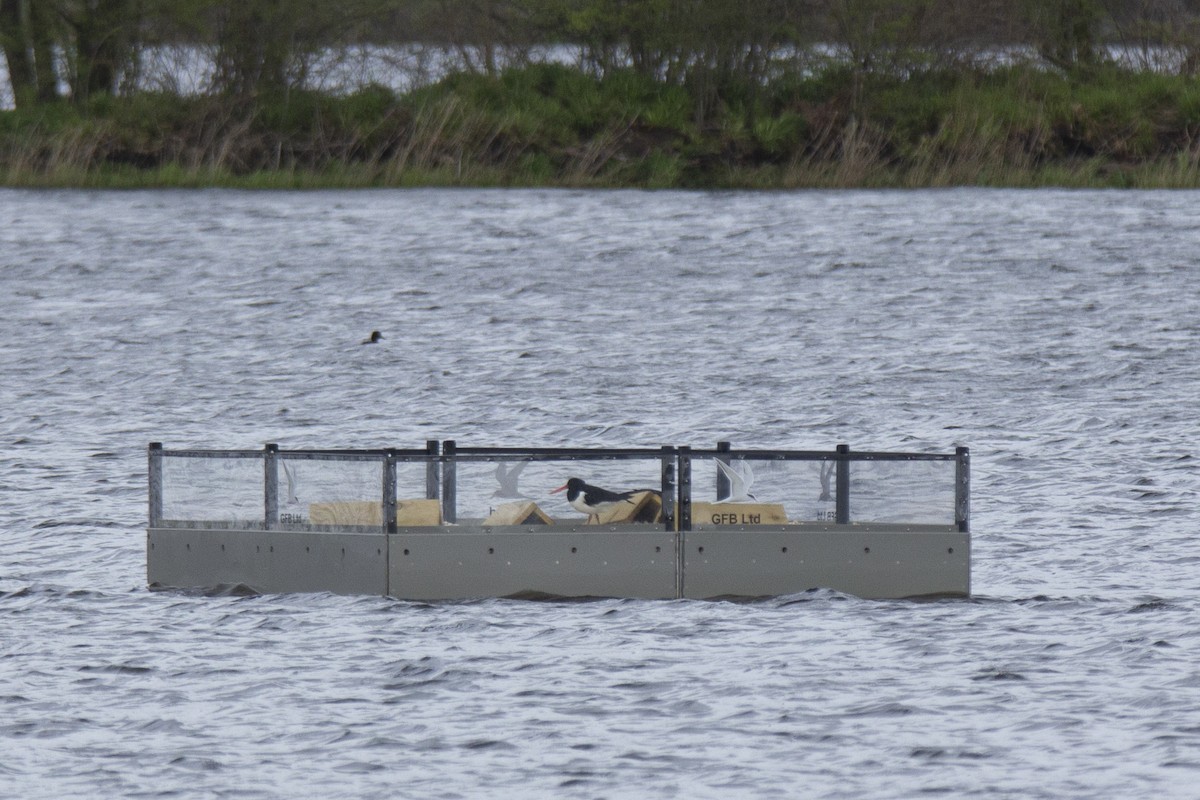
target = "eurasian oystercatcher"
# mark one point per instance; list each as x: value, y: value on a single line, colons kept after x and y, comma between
x: 739, y: 483
x: 592, y: 500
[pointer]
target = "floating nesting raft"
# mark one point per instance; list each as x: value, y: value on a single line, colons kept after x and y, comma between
x: 450, y: 540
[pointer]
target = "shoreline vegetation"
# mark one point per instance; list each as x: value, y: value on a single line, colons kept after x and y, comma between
x: 701, y: 99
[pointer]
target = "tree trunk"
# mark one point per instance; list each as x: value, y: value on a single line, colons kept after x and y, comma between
x: 14, y: 40
x: 255, y: 42
x: 101, y: 46
x: 41, y: 36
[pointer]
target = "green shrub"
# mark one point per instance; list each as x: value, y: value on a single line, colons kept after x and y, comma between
x: 555, y: 125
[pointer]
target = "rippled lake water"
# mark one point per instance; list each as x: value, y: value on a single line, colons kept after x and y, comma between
x: 1055, y: 333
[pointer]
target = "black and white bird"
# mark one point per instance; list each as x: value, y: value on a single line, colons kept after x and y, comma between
x: 592, y: 500
x: 373, y: 338
x: 739, y: 483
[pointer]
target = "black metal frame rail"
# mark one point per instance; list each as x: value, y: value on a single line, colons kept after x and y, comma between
x: 441, y: 459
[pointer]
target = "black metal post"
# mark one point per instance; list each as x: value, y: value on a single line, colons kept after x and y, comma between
x: 685, y: 488
x: 962, y: 489
x: 724, y: 488
x: 271, y: 486
x: 843, y: 484
x: 449, y: 482
x: 668, y: 488
x: 389, y: 491
x: 432, y: 448
x: 154, y: 472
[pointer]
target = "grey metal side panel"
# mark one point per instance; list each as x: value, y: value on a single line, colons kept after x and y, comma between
x: 868, y: 562
x: 859, y: 561
x: 501, y: 562
x: 268, y: 561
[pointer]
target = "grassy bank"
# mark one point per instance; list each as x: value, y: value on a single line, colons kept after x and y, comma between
x: 554, y: 126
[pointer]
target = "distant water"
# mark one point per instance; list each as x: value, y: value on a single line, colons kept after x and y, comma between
x: 188, y: 70
x: 1055, y: 333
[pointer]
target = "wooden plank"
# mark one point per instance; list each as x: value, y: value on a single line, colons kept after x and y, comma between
x: 409, y: 513
x: 522, y: 512
x: 345, y: 512
x: 710, y: 514
x: 418, y: 512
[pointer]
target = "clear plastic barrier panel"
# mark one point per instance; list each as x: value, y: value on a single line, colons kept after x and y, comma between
x: 335, y: 490
x: 920, y: 492
x: 786, y: 491
x: 488, y: 488
x: 213, y: 489
x: 770, y: 491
